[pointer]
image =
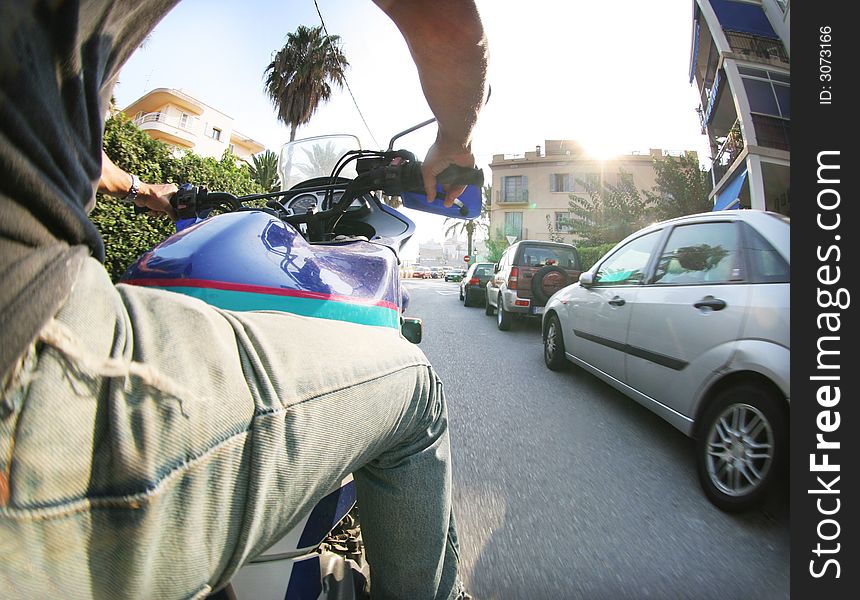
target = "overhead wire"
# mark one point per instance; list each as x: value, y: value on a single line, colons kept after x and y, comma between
x: 349, y: 89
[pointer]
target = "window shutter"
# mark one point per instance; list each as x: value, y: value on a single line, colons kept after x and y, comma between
x: 552, y: 186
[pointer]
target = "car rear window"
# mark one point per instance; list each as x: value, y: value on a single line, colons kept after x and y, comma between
x: 534, y: 256
x: 483, y: 270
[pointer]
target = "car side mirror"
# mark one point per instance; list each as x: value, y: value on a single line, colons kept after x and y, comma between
x: 496, y: 268
x: 586, y: 279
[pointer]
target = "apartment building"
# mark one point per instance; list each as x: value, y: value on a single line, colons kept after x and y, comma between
x: 740, y: 65
x: 178, y: 119
x: 531, y: 192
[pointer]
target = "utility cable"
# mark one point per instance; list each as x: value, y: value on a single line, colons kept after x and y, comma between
x: 351, y: 95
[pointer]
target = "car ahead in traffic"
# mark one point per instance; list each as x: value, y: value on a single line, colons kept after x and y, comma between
x: 474, y: 283
x: 455, y: 275
x: 528, y: 273
x: 690, y: 317
x: 436, y: 272
x: 421, y: 273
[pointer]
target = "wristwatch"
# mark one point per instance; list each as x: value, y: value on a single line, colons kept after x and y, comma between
x: 133, y: 190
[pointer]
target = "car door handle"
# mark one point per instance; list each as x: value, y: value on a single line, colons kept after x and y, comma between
x: 710, y: 302
x: 617, y: 301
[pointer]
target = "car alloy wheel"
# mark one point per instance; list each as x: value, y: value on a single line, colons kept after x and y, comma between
x: 740, y: 445
x: 553, y: 345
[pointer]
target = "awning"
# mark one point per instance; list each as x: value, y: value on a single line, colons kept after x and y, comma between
x: 743, y: 17
x: 712, y: 98
x: 730, y: 196
x: 695, y: 57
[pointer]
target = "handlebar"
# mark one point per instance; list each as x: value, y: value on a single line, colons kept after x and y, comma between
x: 394, y: 173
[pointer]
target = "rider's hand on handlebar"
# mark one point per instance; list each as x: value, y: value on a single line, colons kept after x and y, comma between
x: 156, y: 197
x: 440, y: 156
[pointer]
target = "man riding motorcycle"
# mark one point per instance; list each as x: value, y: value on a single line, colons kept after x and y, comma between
x: 149, y: 443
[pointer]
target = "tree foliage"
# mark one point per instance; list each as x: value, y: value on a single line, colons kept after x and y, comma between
x: 297, y: 80
x: 682, y: 188
x: 496, y: 246
x: 126, y: 236
x: 265, y: 171
x: 608, y: 212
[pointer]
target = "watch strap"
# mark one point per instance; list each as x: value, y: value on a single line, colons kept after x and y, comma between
x: 133, y: 190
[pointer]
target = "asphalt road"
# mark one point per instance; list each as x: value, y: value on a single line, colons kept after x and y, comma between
x: 565, y: 488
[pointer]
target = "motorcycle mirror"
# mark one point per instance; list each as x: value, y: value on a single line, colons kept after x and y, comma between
x: 467, y: 206
x: 397, y: 136
x: 428, y: 121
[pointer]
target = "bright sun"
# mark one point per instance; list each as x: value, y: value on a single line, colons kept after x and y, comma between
x: 602, y: 148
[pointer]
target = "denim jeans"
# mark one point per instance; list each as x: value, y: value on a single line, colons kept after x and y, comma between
x: 152, y: 444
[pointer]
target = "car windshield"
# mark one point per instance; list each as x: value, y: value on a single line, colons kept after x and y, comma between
x: 534, y: 256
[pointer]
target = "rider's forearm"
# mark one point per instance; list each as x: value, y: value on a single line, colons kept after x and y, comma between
x: 447, y: 42
x: 114, y: 181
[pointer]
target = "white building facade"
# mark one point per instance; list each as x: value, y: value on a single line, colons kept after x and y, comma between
x: 740, y: 63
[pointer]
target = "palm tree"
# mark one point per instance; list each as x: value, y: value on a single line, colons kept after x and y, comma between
x: 458, y: 226
x: 265, y: 171
x: 321, y: 160
x: 297, y: 79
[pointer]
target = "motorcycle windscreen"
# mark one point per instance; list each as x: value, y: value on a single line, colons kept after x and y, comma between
x: 467, y: 206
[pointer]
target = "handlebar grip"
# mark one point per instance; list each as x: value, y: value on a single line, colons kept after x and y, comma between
x: 455, y: 174
x: 185, y: 200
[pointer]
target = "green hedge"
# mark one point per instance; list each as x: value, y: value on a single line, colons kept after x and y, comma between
x: 591, y: 254
x: 126, y: 235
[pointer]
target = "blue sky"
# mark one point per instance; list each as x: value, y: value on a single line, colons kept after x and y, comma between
x: 611, y: 74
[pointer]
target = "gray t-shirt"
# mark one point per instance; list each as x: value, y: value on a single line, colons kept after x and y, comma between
x: 58, y: 64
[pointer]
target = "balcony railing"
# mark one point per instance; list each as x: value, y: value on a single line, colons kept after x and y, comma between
x: 160, y: 117
x: 758, y: 47
x: 772, y: 132
x: 730, y: 148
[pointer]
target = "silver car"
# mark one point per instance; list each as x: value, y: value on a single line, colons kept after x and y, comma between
x: 690, y: 317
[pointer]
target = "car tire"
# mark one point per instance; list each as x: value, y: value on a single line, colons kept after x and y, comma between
x: 553, y: 345
x: 468, y: 298
x: 461, y: 295
x: 537, y: 282
x: 503, y: 317
x: 488, y: 308
x: 741, y: 446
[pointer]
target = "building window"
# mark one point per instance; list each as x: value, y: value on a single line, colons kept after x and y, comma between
x: 588, y: 181
x: 768, y: 93
x: 515, y: 188
x: 232, y: 149
x: 514, y: 224
x: 560, y: 182
x: 216, y: 134
x: 184, y: 120
x: 562, y: 222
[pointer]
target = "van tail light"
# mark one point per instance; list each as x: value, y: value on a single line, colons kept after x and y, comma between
x: 474, y: 281
x: 512, y: 278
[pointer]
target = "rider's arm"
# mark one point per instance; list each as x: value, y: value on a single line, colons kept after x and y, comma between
x: 116, y: 182
x: 447, y: 42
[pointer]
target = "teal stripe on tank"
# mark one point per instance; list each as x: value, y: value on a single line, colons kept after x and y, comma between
x: 309, y: 307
